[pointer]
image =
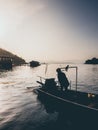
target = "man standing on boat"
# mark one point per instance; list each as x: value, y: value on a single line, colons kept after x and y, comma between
x: 64, y: 83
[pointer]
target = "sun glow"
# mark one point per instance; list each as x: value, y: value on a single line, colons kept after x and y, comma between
x: 40, y: 30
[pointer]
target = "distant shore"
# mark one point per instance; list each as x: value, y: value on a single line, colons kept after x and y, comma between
x: 92, y: 61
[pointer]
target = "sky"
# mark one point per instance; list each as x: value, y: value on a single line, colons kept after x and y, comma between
x: 50, y: 30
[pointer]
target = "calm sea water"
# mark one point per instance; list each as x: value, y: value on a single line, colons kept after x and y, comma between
x: 20, y: 108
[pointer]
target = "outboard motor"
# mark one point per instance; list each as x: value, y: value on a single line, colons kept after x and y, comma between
x: 50, y: 84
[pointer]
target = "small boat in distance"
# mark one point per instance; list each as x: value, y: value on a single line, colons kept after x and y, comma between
x: 82, y: 106
x: 34, y: 64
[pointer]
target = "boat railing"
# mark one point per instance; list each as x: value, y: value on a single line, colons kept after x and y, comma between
x: 51, y: 82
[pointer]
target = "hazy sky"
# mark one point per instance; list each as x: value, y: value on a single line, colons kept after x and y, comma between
x: 55, y: 30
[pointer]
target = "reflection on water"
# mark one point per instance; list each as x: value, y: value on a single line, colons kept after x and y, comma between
x: 19, y: 107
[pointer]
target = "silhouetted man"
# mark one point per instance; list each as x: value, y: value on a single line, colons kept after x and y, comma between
x: 64, y: 83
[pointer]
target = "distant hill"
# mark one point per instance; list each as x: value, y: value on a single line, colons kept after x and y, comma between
x: 15, y: 59
x: 92, y: 61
